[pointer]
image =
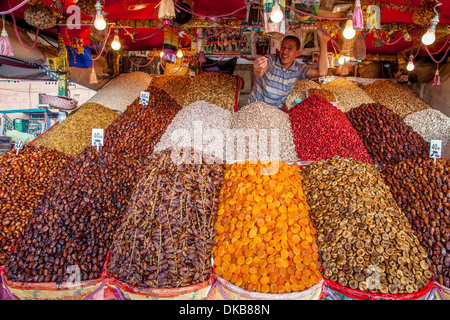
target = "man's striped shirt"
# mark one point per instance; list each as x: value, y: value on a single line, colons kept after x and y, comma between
x: 276, y: 84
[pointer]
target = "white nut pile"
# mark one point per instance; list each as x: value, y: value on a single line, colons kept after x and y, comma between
x: 299, y: 91
x: 397, y: 97
x: 431, y: 124
x: 201, y: 126
x: 260, y: 132
x: 121, y: 91
x: 348, y: 94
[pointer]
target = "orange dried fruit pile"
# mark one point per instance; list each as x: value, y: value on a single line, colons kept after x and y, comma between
x: 265, y: 240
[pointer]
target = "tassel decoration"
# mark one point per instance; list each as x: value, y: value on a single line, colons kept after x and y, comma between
x: 201, y: 57
x: 358, y: 20
x: 93, y: 76
x: 5, y: 44
x: 437, y: 78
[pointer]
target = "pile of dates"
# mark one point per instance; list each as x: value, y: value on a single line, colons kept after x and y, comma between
x: 75, y: 222
x: 421, y: 188
x: 24, y: 178
x: 165, y: 238
x: 77, y: 218
x: 387, y: 138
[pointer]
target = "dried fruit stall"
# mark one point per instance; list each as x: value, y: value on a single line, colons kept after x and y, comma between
x: 197, y: 194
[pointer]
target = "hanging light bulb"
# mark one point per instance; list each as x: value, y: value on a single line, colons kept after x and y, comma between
x: 410, y: 66
x: 430, y: 36
x: 116, y: 42
x: 277, y: 14
x: 347, y: 58
x: 341, y: 60
x: 99, y: 22
x: 349, y: 32
x: 161, y: 55
x: 180, y: 53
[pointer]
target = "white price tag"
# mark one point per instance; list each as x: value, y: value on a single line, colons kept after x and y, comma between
x: 98, y: 137
x: 144, y: 98
x: 18, y: 146
x: 435, y: 149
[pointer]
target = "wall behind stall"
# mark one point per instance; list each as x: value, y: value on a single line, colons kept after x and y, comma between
x: 24, y: 94
x: 436, y: 96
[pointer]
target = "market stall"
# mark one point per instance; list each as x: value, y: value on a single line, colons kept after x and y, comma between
x: 167, y: 184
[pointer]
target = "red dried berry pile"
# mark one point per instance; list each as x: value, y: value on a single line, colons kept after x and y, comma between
x: 322, y: 131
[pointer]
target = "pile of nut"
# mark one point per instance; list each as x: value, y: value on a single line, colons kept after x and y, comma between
x: 121, y: 91
x: 260, y: 132
x: 322, y: 131
x: 265, y: 240
x: 397, y: 97
x: 348, y: 94
x: 299, y: 92
x: 76, y: 220
x: 328, y: 95
x: 431, y: 124
x: 366, y: 242
x: 422, y: 190
x: 201, y: 126
x: 213, y: 87
x: 165, y: 238
x: 75, y: 133
x: 24, y: 178
x: 385, y: 135
x: 175, y: 86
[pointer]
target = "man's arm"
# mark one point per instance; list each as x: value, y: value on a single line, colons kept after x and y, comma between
x: 322, y: 70
x: 260, y: 66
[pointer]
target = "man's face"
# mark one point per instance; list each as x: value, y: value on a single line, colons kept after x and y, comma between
x: 288, y: 52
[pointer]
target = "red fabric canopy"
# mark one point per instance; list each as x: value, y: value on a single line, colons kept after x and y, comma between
x: 147, y: 39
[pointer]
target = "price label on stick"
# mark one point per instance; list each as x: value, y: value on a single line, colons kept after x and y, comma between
x: 97, y: 137
x: 144, y: 98
x: 18, y: 146
x: 435, y: 149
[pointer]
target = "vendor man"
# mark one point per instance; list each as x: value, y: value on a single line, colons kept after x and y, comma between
x: 277, y: 75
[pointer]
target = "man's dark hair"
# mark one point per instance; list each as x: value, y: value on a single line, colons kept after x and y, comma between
x: 295, y: 39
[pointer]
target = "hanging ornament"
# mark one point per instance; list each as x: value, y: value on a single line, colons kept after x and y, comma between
x: 423, y: 15
x: 407, y: 36
x: 166, y: 11
x: 93, y: 76
x: 378, y: 42
x: 201, y: 57
x: 358, y: 21
x: 437, y: 79
x: 5, y: 44
x: 359, y: 47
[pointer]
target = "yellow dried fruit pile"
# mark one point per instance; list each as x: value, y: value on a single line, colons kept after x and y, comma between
x: 265, y: 239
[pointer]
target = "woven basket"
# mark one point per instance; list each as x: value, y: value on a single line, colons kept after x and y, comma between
x: 87, y: 6
x: 62, y: 103
x: 40, y: 17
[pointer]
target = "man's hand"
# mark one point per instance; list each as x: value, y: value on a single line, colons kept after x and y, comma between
x: 260, y: 66
x: 323, y: 37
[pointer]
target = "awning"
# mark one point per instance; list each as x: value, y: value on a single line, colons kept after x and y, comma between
x: 28, y: 111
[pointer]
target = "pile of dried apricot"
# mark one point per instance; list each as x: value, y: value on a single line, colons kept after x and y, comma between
x: 265, y: 240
